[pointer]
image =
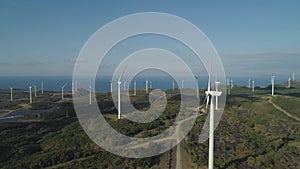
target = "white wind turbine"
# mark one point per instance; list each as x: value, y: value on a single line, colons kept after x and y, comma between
x: 293, y: 76
x: 289, y: 83
x: 134, y: 88
x: 211, y: 124
x: 253, y: 86
x: 90, y: 88
x: 217, y: 97
x: 182, y: 84
x: 273, y: 83
x: 73, y: 88
x: 197, y: 87
x: 76, y: 86
x: 34, y: 86
x: 173, y: 86
x: 11, y: 94
x: 119, y: 94
x: 249, y: 83
x: 146, y: 88
x: 111, y: 87
x: 62, y: 90
x: 231, y: 83
x: 228, y: 86
x: 207, y: 93
x: 42, y: 87
x: 30, y: 95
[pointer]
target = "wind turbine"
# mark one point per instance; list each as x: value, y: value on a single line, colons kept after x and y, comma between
x: 62, y: 90
x: 249, y: 83
x: 42, y: 87
x: 134, y: 88
x: 217, y: 90
x: 273, y: 83
x: 208, y: 90
x: 76, y: 86
x: 30, y: 95
x: 289, y: 83
x: 73, y: 88
x: 228, y: 86
x: 231, y: 83
x: 146, y: 86
x: 253, y: 87
x: 293, y: 76
x: 11, y: 96
x: 119, y: 94
x: 211, y: 125
x: 182, y: 84
x: 111, y: 87
x: 197, y: 87
x: 34, y: 86
x: 90, y: 87
x: 173, y: 86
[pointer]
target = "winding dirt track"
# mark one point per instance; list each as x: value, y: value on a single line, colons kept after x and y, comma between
x: 282, y: 110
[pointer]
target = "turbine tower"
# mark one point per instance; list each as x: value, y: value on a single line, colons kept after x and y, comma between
x: 11, y: 94
x: 197, y: 87
x: 293, y: 76
x: 173, y: 86
x: 146, y: 86
x: 76, y: 86
x: 73, y: 88
x: 231, y: 83
x: 211, y: 126
x: 119, y: 94
x: 90, y: 88
x: 207, y: 93
x: 253, y: 88
x: 111, y: 87
x: 228, y: 86
x: 34, y: 86
x: 182, y: 84
x: 289, y: 83
x: 249, y: 83
x: 30, y: 95
x: 42, y: 87
x: 217, y: 90
x: 62, y: 91
x: 273, y: 83
x: 134, y: 88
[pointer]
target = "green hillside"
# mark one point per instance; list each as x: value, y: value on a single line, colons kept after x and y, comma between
x: 256, y: 131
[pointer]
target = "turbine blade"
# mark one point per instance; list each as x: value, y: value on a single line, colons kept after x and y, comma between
x: 123, y: 72
x: 208, y: 85
x: 207, y: 101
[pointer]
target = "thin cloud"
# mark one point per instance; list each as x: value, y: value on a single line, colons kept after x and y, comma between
x: 33, y: 63
x: 4, y: 64
x: 78, y: 60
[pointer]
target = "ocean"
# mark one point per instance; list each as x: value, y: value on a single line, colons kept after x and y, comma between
x: 54, y: 83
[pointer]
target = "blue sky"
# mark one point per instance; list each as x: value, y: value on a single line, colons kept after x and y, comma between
x: 253, y: 38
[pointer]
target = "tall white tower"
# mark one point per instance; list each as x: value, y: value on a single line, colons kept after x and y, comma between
x: 293, y: 76
x: 30, y: 95
x: 146, y: 86
x: 11, y: 94
x: 134, y: 88
x: 273, y: 83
